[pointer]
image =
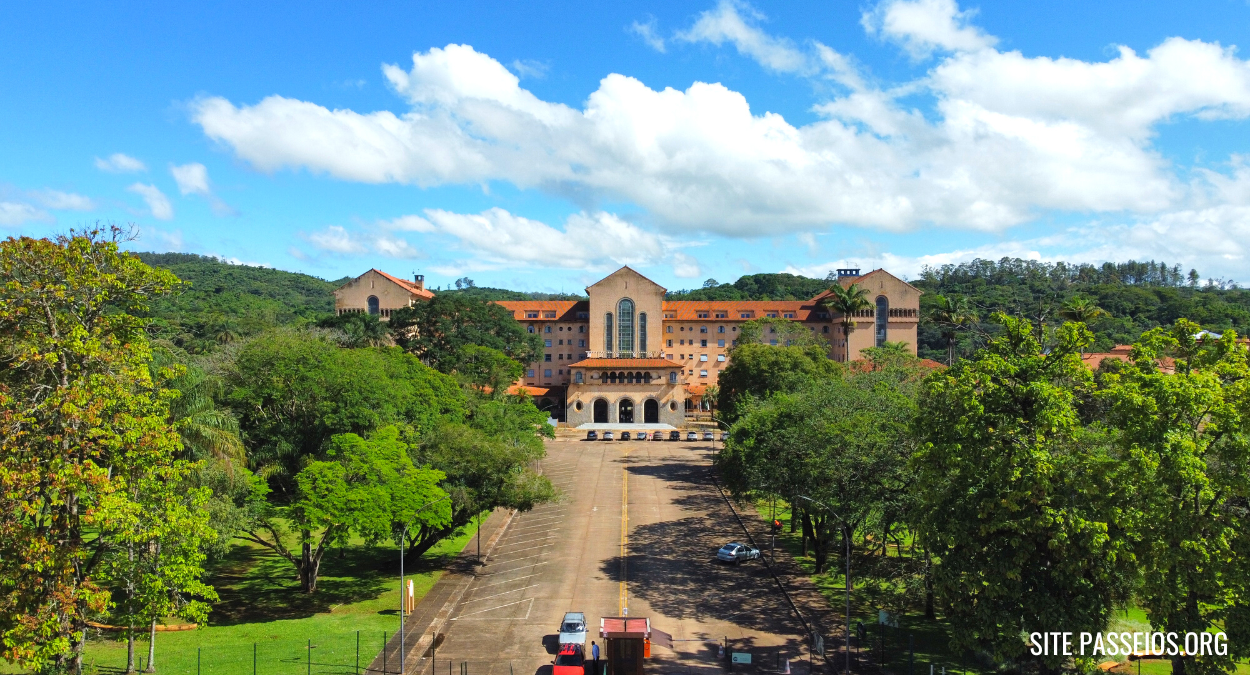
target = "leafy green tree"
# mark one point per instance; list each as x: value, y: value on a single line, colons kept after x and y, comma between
x: 846, y: 301
x: 953, y: 315
x: 1026, y: 510
x: 844, y: 441
x: 487, y: 368
x: 438, y: 330
x: 1186, y: 434
x: 490, y: 462
x: 87, y: 457
x: 294, y: 390
x: 208, y: 431
x: 363, y: 487
x: 756, y: 371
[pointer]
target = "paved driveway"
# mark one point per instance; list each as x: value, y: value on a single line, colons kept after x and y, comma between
x: 636, y: 532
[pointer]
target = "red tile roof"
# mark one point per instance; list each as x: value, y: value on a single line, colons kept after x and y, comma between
x: 409, y: 286
x: 566, y: 310
x: 531, y: 391
x: 625, y: 363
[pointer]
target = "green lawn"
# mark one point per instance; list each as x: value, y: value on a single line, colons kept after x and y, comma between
x: 263, y: 609
x: 874, y: 588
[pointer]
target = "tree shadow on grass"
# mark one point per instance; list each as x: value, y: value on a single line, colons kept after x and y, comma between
x: 257, y: 585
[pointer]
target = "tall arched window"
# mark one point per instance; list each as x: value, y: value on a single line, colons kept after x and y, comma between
x: 625, y: 327
x: 883, y: 317
x: 373, y: 304
x: 607, y: 332
x: 642, y: 333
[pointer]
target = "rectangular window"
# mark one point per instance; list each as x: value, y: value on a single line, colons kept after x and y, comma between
x: 531, y: 315
x: 702, y: 373
x: 702, y: 315
x: 702, y: 343
x: 583, y: 315
x: 547, y: 373
x: 670, y: 315
x: 562, y: 343
x: 559, y: 357
x: 702, y: 329
x: 789, y: 315
x: 581, y: 329
x: 734, y: 343
x: 669, y: 329
x: 581, y: 343
x: 702, y: 357
x: 547, y: 357
x: 672, y: 377
x: 722, y: 315
x: 577, y: 377
x: 549, y: 315
x: 771, y: 315
x: 670, y: 343
x: 547, y: 329
x: 745, y: 315
x: 720, y: 357
x: 720, y: 329
x: 560, y: 372
x: 720, y: 343
x: 546, y: 343
x: 773, y: 342
x: 529, y: 373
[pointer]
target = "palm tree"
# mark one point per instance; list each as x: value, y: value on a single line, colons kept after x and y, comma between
x: 207, y: 431
x: 1082, y: 309
x: 846, y: 301
x: 952, y: 314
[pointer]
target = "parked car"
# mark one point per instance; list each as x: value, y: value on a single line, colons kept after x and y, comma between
x: 640, y: 436
x: 674, y: 435
x: 569, y: 661
x: 724, y: 435
x: 607, y: 435
x: 736, y: 553
x: 657, y: 436
x: 592, y: 435
x: 573, y: 628
x: 692, y: 436
x: 707, y: 436
x: 624, y: 435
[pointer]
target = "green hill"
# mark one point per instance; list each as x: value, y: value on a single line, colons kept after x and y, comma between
x: 223, y: 302
x: 777, y: 286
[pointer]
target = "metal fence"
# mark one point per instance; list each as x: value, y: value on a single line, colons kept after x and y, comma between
x: 323, y: 654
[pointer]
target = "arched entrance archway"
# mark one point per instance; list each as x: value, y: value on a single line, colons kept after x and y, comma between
x: 373, y: 304
x: 651, y: 411
x: 625, y: 411
x: 601, y: 411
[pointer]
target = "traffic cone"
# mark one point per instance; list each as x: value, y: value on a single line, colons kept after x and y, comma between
x: 787, y: 670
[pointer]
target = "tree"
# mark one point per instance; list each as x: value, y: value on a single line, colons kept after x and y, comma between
x: 294, y: 390
x: 436, y: 331
x: 364, y: 487
x: 359, y: 330
x: 846, y: 301
x: 1187, y: 438
x: 87, y: 456
x: 1026, y: 510
x: 488, y: 369
x: 756, y: 371
x: 711, y: 283
x: 207, y: 431
x: 953, y: 314
x: 1082, y: 309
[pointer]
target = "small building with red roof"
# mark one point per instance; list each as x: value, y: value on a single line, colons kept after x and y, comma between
x: 378, y: 293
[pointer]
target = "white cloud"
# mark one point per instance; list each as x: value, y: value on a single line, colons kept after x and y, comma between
x: 17, y: 213
x: 156, y: 200
x: 1011, y: 137
x: 409, y: 224
x: 64, y: 201
x: 529, y: 68
x: 120, y: 163
x: 192, y: 178
x: 647, y: 31
x: 336, y: 239
x: 686, y: 267
x: 922, y: 26
x: 726, y: 24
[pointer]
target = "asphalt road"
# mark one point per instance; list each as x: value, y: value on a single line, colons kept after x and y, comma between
x: 637, y: 533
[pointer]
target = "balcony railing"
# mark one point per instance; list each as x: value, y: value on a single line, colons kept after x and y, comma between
x: 622, y: 355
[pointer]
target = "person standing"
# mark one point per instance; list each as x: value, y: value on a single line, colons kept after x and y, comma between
x: 594, y: 655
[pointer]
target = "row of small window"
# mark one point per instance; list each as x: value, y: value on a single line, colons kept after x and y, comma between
x: 580, y: 343
x: 546, y: 372
x: 547, y: 329
x: 742, y: 315
x: 703, y: 343
x: 559, y: 357
x: 702, y: 357
x: 702, y: 329
x: 549, y: 314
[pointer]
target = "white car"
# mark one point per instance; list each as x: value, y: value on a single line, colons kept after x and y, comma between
x: 573, y: 628
x: 736, y: 553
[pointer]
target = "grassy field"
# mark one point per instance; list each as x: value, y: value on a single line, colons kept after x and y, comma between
x: 263, y: 615
x: 917, y: 643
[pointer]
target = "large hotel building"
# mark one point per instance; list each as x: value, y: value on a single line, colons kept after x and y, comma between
x: 628, y: 356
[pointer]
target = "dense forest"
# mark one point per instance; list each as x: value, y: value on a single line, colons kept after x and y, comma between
x: 778, y: 286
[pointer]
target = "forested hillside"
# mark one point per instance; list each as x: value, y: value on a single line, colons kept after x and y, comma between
x: 778, y: 286
x: 221, y: 302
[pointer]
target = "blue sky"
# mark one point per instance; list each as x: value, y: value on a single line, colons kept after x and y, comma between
x: 537, y: 147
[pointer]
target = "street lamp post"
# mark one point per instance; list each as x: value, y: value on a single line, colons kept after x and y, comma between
x: 403, y: 599
x: 848, y: 576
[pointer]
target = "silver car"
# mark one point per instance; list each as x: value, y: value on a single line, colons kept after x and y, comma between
x: 736, y: 553
x: 573, y: 628
x: 607, y: 435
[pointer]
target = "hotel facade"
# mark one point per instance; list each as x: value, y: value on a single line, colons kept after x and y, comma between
x: 627, y: 356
